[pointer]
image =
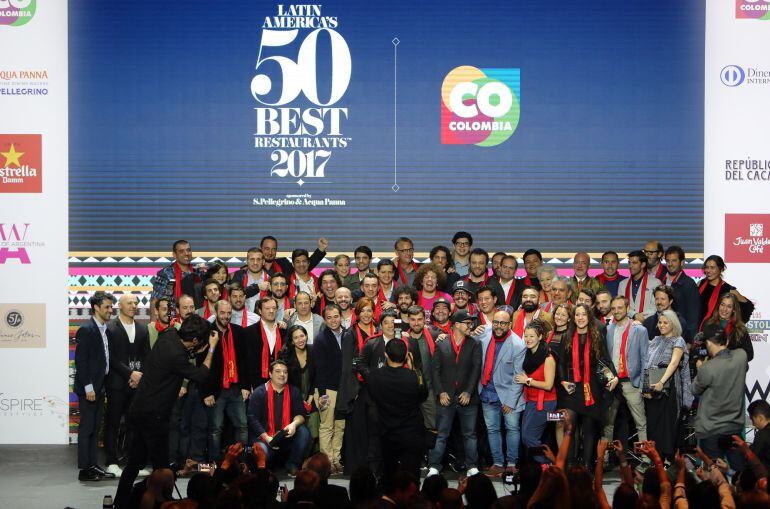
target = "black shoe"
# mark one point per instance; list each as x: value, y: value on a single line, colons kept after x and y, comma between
x: 88, y: 475
x: 102, y: 472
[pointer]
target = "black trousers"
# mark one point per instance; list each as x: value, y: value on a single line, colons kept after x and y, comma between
x: 88, y: 429
x: 399, y: 455
x: 118, y: 401
x: 149, y: 439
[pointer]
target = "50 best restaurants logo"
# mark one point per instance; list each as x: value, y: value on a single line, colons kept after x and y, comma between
x: 479, y: 106
x: 302, y: 74
x: 21, y: 168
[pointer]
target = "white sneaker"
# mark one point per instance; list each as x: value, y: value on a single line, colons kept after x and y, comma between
x: 114, y: 469
x: 431, y: 471
x: 472, y: 471
x: 143, y: 473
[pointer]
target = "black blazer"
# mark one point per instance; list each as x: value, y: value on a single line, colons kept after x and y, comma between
x: 90, y: 361
x: 374, y: 353
x: 288, y: 269
x: 254, y: 340
x: 398, y: 394
x: 518, y: 287
x: 328, y: 354
x: 120, y: 348
x: 455, y: 378
x: 214, y: 385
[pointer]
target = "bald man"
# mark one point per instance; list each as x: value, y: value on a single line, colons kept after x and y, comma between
x: 129, y: 344
x: 580, y: 264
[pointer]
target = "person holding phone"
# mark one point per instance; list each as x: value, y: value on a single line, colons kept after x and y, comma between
x: 539, y: 394
x: 582, y: 358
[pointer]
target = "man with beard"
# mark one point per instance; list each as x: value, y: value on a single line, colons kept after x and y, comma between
x: 344, y: 300
x: 664, y: 300
x: 463, y: 298
x: 363, y: 258
x: 162, y: 319
x: 241, y: 315
x: 212, y: 293
x: 253, y: 278
x: 426, y: 342
x: 604, y: 306
x: 686, y: 293
x: 405, y: 297
x: 279, y: 287
x: 610, y: 277
x: 502, y: 357
x: 269, y: 247
x: 439, y: 317
x: 530, y: 310
x: 639, y: 287
x: 178, y: 278
x: 508, y: 289
x: 478, y: 275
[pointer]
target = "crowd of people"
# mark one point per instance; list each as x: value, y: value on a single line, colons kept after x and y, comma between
x: 488, y: 373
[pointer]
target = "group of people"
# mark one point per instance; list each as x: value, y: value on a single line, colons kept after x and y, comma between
x: 293, y: 363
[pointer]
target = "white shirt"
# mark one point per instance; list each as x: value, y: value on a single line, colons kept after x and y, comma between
x: 237, y: 317
x: 271, y: 337
x: 506, y: 287
x: 306, y: 286
x: 130, y: 330
x: 347, y: 321
x: 308, y: 325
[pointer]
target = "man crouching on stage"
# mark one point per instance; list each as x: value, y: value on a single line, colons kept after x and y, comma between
x: 165, y: 367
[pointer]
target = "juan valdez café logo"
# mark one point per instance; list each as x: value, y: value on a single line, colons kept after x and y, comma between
x: 745, y: 238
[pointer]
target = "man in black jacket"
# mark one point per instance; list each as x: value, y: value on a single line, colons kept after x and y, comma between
x: 129, y: 343
x: 165, y: 367
x: 269, y: 247
x: 456, y: 371
x: 398, y: 394
x: 91, y: 369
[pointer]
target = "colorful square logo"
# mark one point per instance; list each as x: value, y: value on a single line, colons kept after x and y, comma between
x: 21, y: 163
x: 745, y: 239
x: 15, y: 13
x: 479, y: 106
x: 752, y: 9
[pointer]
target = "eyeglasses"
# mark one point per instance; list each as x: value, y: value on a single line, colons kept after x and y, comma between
x: 500, y: 323
x: 462, y: 244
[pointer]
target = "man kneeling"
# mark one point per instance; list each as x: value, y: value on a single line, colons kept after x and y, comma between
x: 276, y: 411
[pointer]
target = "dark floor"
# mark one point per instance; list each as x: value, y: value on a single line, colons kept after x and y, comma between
x: 45, y: 477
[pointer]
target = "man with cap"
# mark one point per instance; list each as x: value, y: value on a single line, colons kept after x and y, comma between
x: 439, y: 316
x: 456, y: 370
x: 463, y: 297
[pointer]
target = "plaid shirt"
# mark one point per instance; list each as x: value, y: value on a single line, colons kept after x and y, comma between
x: 163, y: 284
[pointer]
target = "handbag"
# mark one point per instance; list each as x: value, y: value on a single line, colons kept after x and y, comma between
x: 654, y: 376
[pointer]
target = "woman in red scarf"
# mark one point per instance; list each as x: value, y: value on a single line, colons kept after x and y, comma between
x: 712, y: 286
x: 583, y: 359
x: 352, y: 399
x: 727, y: 317
x: 545, y: 274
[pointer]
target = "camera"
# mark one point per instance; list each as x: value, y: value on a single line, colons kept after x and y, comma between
x: 511, y: 481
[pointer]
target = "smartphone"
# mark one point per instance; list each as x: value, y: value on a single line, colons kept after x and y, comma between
x: 638, y: 447
x: 206, y: 467
x: 399, y: 324
x: 554, y: 416
x: 570, y: 387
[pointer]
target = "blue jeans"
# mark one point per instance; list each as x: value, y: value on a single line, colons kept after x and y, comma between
x: 445, y: 416
x: 230, y: 401
x: 293, y: 449
x: 534, y: 424
x: 492, y: 413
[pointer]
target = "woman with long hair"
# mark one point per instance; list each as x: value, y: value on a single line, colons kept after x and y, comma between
x: 298, y: 355
x: 563, y: 320
x: 538, y: 376
x: 586, y: 373
x: 728, y: 317
x: 712, y: 286
x: 666, y: 398
x: 352, y: 401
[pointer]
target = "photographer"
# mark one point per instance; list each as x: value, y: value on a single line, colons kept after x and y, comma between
x: 720, y: 384
x: 165, y: 367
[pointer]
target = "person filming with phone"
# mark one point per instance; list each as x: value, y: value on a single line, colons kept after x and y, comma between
x: 165, y: 367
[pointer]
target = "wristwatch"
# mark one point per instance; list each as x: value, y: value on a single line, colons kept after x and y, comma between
x: 529, y: 381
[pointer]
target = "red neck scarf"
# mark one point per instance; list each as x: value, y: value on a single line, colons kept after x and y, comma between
x: 247, y: 275
x: 276, y: 268
x: 489, y: 362
x: 659, y: 271
x: 294, y: 286
x: 447, y: 327
x: 456, y: 348
x: 511, y: 289
x: 622, y: 364
x: 586, y: 376
x: 285, y: 408
x: 206, y: 310
x: 229, y: 369
x: 674, y: 279
x: 159, y: 327
x: 603, y: 278
x: 729, y: 327
x: 266, y: 348
x: 245, y: 319
x: 550, y: 337
x: 642, y: 290
x: 483, y: 283
x: 402, y: 273
x: 548, y: 307
x: 712, y: 300
x: 518, y: 327
x: 361, y: 339
x: 527, y: 281
x: 429, y: 340
x: 178, y: 274
x: 286, y: 302
x: 544, y: 296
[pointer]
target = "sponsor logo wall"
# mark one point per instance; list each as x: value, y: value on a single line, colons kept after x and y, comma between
x: 737, y: 162
x: 33, y: 222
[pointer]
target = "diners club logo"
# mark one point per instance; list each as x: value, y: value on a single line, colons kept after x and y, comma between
x: 745, y: 238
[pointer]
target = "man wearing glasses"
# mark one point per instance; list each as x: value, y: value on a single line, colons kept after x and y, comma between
x: 653, y: 249
x: 463, y: 242
x: 406, y: 268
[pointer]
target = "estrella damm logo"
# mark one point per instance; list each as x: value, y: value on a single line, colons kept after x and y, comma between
x: 479, y: 106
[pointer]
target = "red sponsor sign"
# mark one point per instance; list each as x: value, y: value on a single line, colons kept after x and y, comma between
x: 747, y: 238
x: 21, y: 163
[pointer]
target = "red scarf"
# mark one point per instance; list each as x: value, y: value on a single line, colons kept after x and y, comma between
x: 712, y: 300
x: 544, y: 296
x: 603, y: 278
x: 429, y: 340
x: 286, y: 302
x: 642, y: 290
x: 245, y: 319
x: 456, y: 348
x: 518, y: 327
x: 266, y: 349
x: 361, y: 340
x: 622, y: 364
x: 489, y: 362
x: 659, y: 270
x: 511, y: 289
x: 285, y: 408
x: 229, y: 368
x: 277, y: 268
x: 445, y: 328
x: 402, y: 273
x: 673, y: 280
x: 381, y: 293
x: 729, y: 327
x: 293, y: 287
x: 527, y: 281
x: 262, y: 293
x: 177, y: 281
x: 158, y: 326
x: 483, y: 283
x: 206, y: 310
x: 586, y: 376
x: 550, y: 337
x: 548, y: 307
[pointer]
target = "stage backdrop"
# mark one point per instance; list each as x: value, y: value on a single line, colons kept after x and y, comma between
x: 33, y: 221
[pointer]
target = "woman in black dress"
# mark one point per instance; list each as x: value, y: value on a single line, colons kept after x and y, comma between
x: 298, y: 356
x: 586, y: 374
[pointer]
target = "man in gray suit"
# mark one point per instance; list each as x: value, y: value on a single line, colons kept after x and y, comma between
x: 502, y: 356
x: 627, y: 345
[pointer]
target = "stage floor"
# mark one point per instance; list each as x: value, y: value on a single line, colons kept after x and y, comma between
x: 45, y: 477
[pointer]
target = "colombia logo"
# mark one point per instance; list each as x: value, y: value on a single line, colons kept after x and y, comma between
x: 21, y: 168
x: 479, y: 106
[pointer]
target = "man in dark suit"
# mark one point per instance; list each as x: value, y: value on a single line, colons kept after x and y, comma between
x: 398, y: 394
x: 507, y: 288
x: 91, y: 368
x: 269, y: 247
x: 456, y: 371
x: 129, y: 344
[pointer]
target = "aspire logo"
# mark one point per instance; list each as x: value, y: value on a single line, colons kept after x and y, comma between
x: 17, y: 12
x: 479, y: 106
x: 14, y: 243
